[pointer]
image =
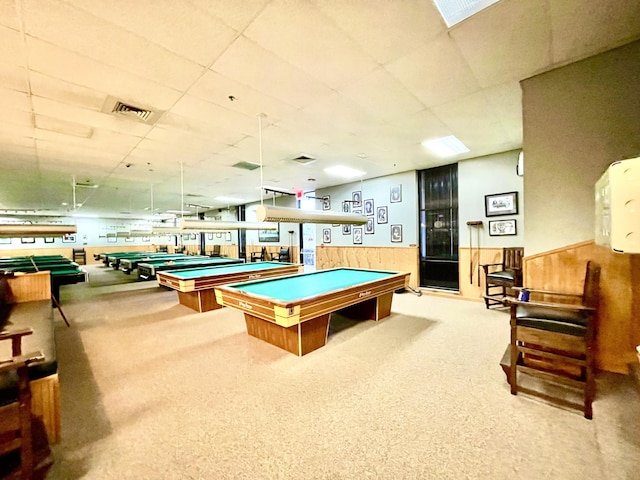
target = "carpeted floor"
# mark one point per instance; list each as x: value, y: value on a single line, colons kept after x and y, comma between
x: 153, y: 390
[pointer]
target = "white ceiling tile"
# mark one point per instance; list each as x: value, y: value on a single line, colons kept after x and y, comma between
x: 181, y: 29
x: 397, y: 101
x: 235, y: 14
x: 13, y: 51
x: 92, y: 37
x: 13, y: 99
x: 308, y: 40
x: 436, y: 73
x: 580, y: 28
x: 172, y: 120
x: 14, y: 78
x: 9, y: 14
x: 63, y: 91
x: 406, y: 24
x: 76, y: 69
x: 214, y: 115
x: 509, y: 41
x: 265, y: 72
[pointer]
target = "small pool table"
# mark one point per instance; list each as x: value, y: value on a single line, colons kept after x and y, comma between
x: 195, y: 286
x: 148, y: 270
x: 293, y: 312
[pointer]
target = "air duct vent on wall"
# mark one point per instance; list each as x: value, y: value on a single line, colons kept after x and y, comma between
x: 246, y: 165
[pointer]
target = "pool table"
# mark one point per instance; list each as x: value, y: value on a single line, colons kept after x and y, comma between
x: 195, y: 286
x: 293, y: 312
x: 147, y: 270
x: 127, y: 265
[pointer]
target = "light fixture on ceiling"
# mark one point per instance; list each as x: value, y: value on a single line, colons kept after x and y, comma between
x: 455, y: 11
x: 265, y: 213
x: 446, y: 146
x: 342, y: 171
x: 36, y: 230
x: 211, y: 226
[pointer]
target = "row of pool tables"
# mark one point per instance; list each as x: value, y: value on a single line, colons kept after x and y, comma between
x: 284, y: 306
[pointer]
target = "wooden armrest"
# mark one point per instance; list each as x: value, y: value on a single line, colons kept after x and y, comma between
x: 550, y: 305
x: 548, y: 292
x: 16, y: 332
x: 21, y: 361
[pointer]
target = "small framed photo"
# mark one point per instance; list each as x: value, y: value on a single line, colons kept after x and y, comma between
x: 209, y: 236
x: 128, y: 239
x: 396, y: 233
x: 357, y: 199
x: 193, y: 236
x: 502, y: 227
x: 112, y: 239
x: 219, y: 235
x: 382, y: 215
x: 5, y: 241
x: 48, y: 240
x: 345, y: 207
x: 326, y: 235
x: 501, y: 204
x: 346, y: 229
x: 369, y: 228
x: 28, y: 240
x: 326, y: 202
x: 69, y: 238
x: 146, y: 239
x: 185, y: 236
x: 227, y: 236
x: 368, y: 207
x: 396, y: 193
x: 357, y: 235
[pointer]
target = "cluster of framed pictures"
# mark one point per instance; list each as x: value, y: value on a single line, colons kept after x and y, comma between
x: 501, y: 204
x: 358, y: 205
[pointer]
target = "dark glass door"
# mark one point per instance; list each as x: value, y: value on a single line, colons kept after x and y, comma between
x: 438, y: 205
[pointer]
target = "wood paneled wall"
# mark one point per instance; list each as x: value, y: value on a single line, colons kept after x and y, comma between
x: 404, y: 259
x: 471, y: 274
x: 618, y: 329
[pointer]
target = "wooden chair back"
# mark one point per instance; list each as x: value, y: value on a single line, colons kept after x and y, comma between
x: 591, y: 291
x: 512, y: 258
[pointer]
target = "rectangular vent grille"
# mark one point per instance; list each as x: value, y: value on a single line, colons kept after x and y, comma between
x: 246, y: 165
x: 304, y: 160
x: 124, y: 109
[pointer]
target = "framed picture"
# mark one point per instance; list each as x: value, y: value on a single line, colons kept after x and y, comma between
x: 28, y: 240
x: 396, y: 233
x: 69, y: 238
x: 501, y: 204
x: 369, y: 227
x: 227, y: 236
x: 357, y: 235
x: 185, y: 236
x: 269, y: 235
x: 396, y: 193
x: 219, y: 235
x: 346, y: 229
x: 209, y: 236
x: 356, y: 197
x: 326, y: 235
x: 382, y: 215
x: 345, y: 207
x: 368, y: 207
x: 502, y: 227
x: 326, y: 202
x: 112, y: 239
x: 193, y: 236
x: 128, y: 239
x: 146, y: 239
x: 5, y: 241
x: 48, y: 240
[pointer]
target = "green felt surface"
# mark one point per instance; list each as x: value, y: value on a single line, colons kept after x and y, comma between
x: 191, y: 273
x: 309, y: 285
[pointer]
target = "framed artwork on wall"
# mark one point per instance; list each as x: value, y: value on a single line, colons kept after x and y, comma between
x: 146, y: 239
x: 69, y: 238
x: 227, y: 236
x: 219, y: 235
x: 48, y: 240
x: 209, y: 236
x: 369, y: 228
x: 396, y: 233
x: 356, y: 198
x: 346, y: 229
x: 357, y: 235
x: 382, y: 215
x: 326, y: 235
x: 326, y: 202
x: 269, y: 235
x: 502, y: 227
x: 501, y: 204
x: 113, y: 239
x: 128, y: 239
x: 28, y: 240
x: 345, y: 207
x: 396, y: 193
x: 368, y: 207
x: 5, y: 241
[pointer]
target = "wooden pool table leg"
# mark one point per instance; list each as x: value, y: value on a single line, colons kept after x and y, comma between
x: 200, y: 301
x: 298, y: 339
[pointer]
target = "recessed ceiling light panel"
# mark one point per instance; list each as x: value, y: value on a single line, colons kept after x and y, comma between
x: 455, y: 11
x: 446, y: 146
x: 345, y: 172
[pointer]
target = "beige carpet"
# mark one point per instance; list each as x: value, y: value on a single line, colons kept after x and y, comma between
x: 153, y: 390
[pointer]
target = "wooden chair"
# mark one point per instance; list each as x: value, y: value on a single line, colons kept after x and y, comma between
x: 499, y: 277
x: 24, y: 447
x: 554, y: 338
x: 259, y: 257
x: 281, y: 256
x: 216, y: 251
x: 80, y: 256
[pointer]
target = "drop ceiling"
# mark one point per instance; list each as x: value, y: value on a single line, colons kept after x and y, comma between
x: 359, y: 83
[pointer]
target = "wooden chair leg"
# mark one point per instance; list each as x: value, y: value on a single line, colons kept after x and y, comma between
x: 513, y: 368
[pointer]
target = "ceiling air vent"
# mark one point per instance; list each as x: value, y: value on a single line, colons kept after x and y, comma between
x: 119, y: 108
x: 304, y: 160
x: 246, y: 165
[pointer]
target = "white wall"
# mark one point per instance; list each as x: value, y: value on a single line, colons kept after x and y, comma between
x: 482, y: 176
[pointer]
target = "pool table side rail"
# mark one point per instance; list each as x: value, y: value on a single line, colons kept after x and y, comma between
x: 289, y: 313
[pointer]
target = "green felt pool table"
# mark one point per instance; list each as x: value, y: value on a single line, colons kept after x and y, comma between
x: 293, y: 312
x: 148, y: 270
x: 195, y: 286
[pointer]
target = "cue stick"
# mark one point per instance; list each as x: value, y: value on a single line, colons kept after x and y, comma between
x: 52, y: 297
x: 475, y: 224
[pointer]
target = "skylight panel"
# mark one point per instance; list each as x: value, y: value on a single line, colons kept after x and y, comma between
x: 454, y: 11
